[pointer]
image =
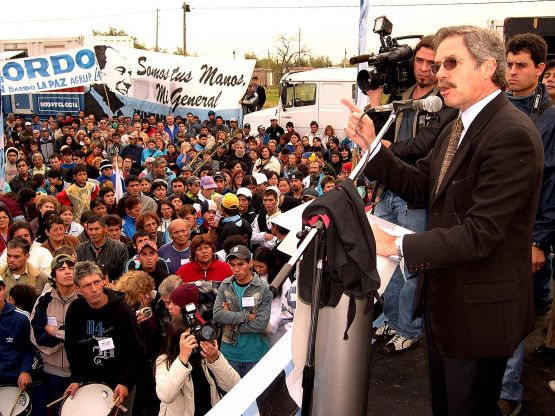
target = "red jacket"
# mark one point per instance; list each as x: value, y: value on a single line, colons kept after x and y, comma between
x: 216, y: 271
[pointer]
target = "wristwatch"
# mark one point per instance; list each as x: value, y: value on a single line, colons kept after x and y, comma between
x: 398, y: 246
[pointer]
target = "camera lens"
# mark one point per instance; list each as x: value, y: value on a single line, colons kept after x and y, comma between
x: 208, y: 333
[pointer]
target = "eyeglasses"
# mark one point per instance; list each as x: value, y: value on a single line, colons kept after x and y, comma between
x: 448, y: 63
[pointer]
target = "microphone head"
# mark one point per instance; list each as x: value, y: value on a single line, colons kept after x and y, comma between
x: 432, y: 104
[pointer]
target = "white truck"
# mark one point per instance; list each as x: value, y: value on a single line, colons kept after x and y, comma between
x: 307, y: 96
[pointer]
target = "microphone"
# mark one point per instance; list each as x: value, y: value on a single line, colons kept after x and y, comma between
x: 430, y: 104
x: 359, y: 59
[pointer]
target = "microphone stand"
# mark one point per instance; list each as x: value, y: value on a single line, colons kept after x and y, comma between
x: 366, y: 157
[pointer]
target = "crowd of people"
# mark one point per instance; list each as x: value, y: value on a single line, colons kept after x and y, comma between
x: 117, y: 233
x: 138, y: 252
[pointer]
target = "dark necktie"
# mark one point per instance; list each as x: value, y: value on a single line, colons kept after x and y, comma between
x: 456, y: 132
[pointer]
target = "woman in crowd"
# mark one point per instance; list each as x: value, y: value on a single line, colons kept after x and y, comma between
x: 98, y: 206
x: 273, y: 177
x: 176, y: 201
x: 345, y: 153
x: 5, y: 224
x: 187, y: 382
x: 329, y: 132
x: 267, y: 269
x: 137, y: 287
x: 109, y: 197
x: 237, y: 179
x: 44, y: 203
x: 160, y: 144
x: 171, y: 157
x: 335, y: 162
x: 306, y: 144
x: 266, y: 161
x: 284, y: 186
x: 72, y: 228
x: 166, y: 213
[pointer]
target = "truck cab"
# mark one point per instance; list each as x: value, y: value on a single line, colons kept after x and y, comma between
x: 308, y: 96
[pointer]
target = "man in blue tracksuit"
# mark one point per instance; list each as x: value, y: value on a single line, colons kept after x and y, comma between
x: 16, y: 350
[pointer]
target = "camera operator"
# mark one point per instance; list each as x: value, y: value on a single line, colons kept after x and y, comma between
x: 188, y: 379
x: 414, y: 135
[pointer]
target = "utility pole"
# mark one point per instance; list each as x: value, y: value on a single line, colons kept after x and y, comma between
x: 345, y: 59
x: 269, y: 65
x: 233, y: 55
x: 157, y: 24
x: 299, y: 59
x: 186, y: 9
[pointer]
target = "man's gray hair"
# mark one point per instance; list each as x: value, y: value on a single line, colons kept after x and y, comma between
x: 169, y: 284
x: 85, y: 268
x: 482, y: 45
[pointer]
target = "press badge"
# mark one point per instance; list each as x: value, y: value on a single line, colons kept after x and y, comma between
x: 106, y: 344
x: 247, y: 302
x: 52, y: 321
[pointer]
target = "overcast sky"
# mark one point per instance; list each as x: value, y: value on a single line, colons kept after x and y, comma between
x: 218, y: 27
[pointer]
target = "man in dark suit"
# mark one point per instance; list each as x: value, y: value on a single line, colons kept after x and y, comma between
x: 481, y: 182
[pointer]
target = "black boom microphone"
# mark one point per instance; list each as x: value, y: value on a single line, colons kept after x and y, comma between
x: 359, y: 59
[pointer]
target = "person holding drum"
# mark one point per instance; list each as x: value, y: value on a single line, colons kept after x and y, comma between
x: 103, y: 340
x: 189, y: 373
x: 48, y: 325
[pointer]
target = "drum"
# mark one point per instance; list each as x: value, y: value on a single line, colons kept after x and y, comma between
x: 8, y: 395
x: 92, y: 399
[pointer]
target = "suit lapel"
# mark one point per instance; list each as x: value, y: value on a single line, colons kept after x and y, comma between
x: 472, y: 133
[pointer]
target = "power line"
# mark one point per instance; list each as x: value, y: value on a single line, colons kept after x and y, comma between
x: 458, y: 3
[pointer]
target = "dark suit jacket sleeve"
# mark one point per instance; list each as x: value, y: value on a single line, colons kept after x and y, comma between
x: 478, y: 208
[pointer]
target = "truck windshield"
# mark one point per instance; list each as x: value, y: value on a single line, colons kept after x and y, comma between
x: 299, y: 95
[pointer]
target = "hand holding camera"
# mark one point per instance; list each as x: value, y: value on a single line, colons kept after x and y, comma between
x: 187, y: 344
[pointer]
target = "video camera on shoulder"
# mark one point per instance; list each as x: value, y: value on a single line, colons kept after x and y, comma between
x: 202, y: 332
x: 391, y: 68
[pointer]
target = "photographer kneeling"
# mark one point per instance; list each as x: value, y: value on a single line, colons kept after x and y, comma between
x: 189, y: 375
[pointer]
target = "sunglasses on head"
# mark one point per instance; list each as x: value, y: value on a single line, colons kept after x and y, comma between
x: 448, y: 63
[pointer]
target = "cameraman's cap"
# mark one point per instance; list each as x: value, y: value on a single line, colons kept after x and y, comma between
x: 60, y: 260
x: 192, y: 179
x: 147, y: 243
x: 238, y: 252
x: 295, y: 175
x: 310, y: 193
x: 230, y: 201
x: 105, y: 164
x: 185, y: 294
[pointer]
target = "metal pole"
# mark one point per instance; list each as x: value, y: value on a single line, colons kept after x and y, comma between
x: 299, y: 60
x: 157, y: 24
x: 185, y: 10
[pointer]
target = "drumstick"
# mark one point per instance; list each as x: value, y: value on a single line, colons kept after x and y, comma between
x: 116, y: 401
x: 15, y: 402
x: 58, y: 400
